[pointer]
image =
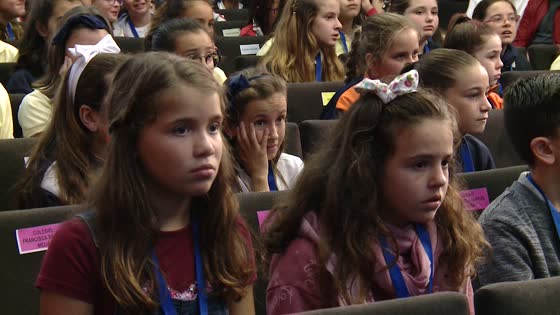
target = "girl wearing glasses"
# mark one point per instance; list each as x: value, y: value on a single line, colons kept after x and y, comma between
x: 189, y: 39
x: 501, y: 16
x: 540, y: 24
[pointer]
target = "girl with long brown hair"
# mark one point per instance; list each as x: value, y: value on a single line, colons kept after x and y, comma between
x: 304, y: 48
x: 73, y: 146
x: 375, y: 214
x: 165, y: 236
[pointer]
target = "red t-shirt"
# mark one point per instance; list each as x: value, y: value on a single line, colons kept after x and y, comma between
x: 71, y: 266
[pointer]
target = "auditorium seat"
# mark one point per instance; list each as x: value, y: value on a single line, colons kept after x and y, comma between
x: 519, y: 298
x: 305, y: 100
x: 447, y: 8
x: 314, y: 132
x: 443, y: 303
x: 292, y: 140
x: 12, y: 167
x: 495, y: 181
x: 130, y: 45
x: 542, y: 56
x: 228, y: 28
x: 244, y: 62
x: 239, y: 46
x: 497, y: 140
x: 234, y: 14
x: 18, y: 272
x: 249, y: 205
x: 509, y: 77
x: 15, y: 101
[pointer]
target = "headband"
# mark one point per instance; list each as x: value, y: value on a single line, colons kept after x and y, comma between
x: 85, y: 54
x: 402, y: 84
x: 237, y: 84
x: 91, y: 21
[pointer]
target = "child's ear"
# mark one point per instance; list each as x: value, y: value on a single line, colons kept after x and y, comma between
x: 230, y: 131
x: 90, y: 118
x: 544, y: 150
x: 371, y: 63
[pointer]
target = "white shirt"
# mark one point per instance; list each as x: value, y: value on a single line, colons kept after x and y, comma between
x: 50, y: 182
x: 121, y: 28
x: 288, y: 168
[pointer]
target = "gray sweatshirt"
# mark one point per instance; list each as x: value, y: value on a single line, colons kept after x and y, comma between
x: 520, y: 228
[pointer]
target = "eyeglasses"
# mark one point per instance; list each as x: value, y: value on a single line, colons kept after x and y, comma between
x: 499, y: 19
x: 211, y: 59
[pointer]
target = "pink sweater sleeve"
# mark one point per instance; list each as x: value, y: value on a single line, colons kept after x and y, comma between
x: 295, y: 278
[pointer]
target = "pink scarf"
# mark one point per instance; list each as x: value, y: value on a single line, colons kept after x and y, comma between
x: 412, y: 261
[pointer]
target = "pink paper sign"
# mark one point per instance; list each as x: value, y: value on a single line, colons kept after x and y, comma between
x: 35, y: 239
x: 475, y: 199
x: 261, y: 216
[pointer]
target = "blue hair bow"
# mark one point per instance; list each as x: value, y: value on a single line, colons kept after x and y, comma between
x: 237, y: 84
x: 91, y: 21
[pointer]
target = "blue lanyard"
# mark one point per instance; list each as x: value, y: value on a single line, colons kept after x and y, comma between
x: 551, y: 207
x: 500, y: 89
x: 395, y: 273
x: 318, y: 68
x: 271, y: 182
x: 343, y: 39
x: 10, y: 32
x: 163, y: 292
x: 132, y: 28
x: 466, y: 158
x: 427, y: 45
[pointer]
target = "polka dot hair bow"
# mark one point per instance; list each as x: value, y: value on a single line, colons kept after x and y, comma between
x: 402, y: 84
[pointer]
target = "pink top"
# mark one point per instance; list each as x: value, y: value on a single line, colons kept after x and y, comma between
x: 299, y: 283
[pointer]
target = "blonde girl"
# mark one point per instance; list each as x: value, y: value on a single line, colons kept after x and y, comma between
x: 304, y: 49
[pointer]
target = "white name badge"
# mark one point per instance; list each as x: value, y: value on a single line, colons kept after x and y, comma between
x: 232, y: 32
x: 252, y: 49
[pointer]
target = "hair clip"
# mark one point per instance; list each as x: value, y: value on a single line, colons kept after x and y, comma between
x: 402, y: 84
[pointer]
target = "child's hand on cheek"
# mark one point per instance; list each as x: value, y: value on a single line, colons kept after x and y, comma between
x: 253, y: 153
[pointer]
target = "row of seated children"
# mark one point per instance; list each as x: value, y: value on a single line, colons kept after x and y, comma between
x: 59, y: 167
x: 43, y: 16
x: 423, y: 13
x: 155, y: 127
x: 387, y: 203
